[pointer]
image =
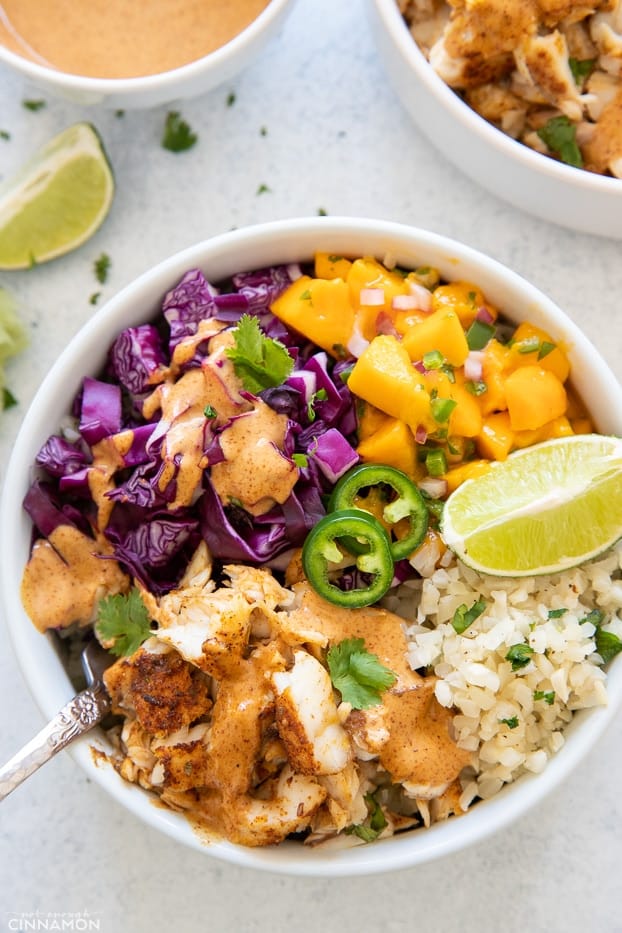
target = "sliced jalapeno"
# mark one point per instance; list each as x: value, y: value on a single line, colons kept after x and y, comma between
x: 320, y: 551
x: 407, y: 502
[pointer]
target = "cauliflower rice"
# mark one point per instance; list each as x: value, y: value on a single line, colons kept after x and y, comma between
x: 512, y: 720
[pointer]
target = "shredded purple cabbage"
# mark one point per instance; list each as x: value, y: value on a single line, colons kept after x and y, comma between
x: 151, y: 537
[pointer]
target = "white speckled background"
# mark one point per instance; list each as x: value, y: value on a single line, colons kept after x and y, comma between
x: 336, y: 139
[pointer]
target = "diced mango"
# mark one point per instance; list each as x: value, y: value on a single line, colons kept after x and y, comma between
x: 494, y: 364
x: 332, y: 266
x: 320, y: 310
x: 554, y: 360
x: 464, y: 298
x: 385, y: 376
x: 496, y: 438
x: 581, y: 426
x: 534, y: 396
x: 456, y: 476
x: 369, y: 273
x: 558, y: 427
x: 466, y: 417
x: 393, y: 443
x: 369, y: 419
x: 440, y: 331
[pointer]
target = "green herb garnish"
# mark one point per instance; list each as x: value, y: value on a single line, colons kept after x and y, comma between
x: 519, y: 655
x: 547, y: 695
x: 4, y: 134
x: 595, y: 617
x: 581, y: 68
x: 559, y: 135
x: 301, y: 460
x: 556, y: 613
x: 259, y: 361
x: 511, y: 723
x: 358, y: 674
x: 230, y: 98
x: 177, y: 135
x: 464, y: 617
x: 123, y: 622
x: 320, y: 396
x: 33, y: 105
x: 377, y: 821
x: 8, y: 399
x: 607, y: 644
x: 94, y: 298
x: 210, y: 412
x: 263, y: 189
x: 102, y: 267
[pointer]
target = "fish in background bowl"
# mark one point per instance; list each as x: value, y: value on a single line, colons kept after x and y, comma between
x: 578, y: 125
x: 291, y: 247
x: 136, y: 55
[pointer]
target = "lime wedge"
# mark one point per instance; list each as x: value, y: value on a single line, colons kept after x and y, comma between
x: 57, y: 200
x: 544, y: 509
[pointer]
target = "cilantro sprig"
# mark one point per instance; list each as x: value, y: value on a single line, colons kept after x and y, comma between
x: 358, y: 674
x: 559, y: 135
x: 259, y: 361
x: 123, y: 622
x: 177, y: 135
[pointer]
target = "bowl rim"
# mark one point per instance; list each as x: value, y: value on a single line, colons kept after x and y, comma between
x: 398, y: 30
x: 139, y: 301
x: 210, y: 63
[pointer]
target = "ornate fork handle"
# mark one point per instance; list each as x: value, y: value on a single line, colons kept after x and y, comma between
x: 78, y: 716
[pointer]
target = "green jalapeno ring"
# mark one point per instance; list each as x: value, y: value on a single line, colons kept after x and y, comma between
x: 409, y: 503
x: 320, y: 550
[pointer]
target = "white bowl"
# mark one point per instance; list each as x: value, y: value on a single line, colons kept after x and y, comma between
x: 533, y: 182
x: 246, y: 249
x: 188, y: 81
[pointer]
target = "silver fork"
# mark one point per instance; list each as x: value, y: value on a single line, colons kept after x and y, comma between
x: 77, y: 717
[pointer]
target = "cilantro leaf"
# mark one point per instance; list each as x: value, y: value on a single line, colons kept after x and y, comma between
x: 177, y: 133
x: 464, y: 617
x: 123, y: 622
x: 607, y: 645
x: 377, y: 821
x: 581, y: 68
x: 519, y: 655
x: 8, y: 399
x: 259, y: 361
x: 33, y: 105
x: 559, y: 135
x: 358, y: 674
x: 101, y: 267
x: 511, y: 723
x: 547, y: 695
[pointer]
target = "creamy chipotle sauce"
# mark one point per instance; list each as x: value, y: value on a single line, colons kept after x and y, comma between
x: 121, y: 38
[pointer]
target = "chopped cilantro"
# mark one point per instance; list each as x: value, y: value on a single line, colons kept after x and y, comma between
x: 607, y: 644
x: 511, y: 723
x: 374, y: 824
x: 306, y: 295
x: 594, y: 617
x: 177, y: 135
x: 33, y: 105
x: 475, y: 388
x: 259, y: 361
x: 209, y: 411
x: 123, y: 622
x: 547, y: 695
x: 4, y: 134
x: 519, y: 655
x: 559, y: 135
x: 263, y: 189
x: 230, y: 98
x: 94, y: 298
x: 322, y: 212
x: 556, y: 613
x: 357, y: 674
x: 8, y: 399
x: 263, y: 131
x: 546, y: 347
x: 320, y: 396
x: 119, y: 113
x: 101, y: 267
x: 464, y: 617
x: 581, y: 68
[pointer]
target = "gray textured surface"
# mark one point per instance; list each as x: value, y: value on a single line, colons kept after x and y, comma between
x: 335, y: 139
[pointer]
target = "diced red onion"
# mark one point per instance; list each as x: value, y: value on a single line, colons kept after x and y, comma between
x: 473, y: 366
x: 421, y: 435
x: 434, y: 486
x: 385, y: 325
x: 371, y: 297
x: 357, y: 344
x: 294, y: 271
x: 405, y: 303
x: 418, y: 365
x: 423, y: 296
x: 484, y: 315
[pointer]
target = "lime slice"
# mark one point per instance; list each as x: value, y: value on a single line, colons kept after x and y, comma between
x: 544, y: 509
x: 57, y: 200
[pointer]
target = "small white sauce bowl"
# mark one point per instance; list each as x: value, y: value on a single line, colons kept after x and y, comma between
x: 247, y: 249
x: 190, y: 80
x: 551, y: 190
